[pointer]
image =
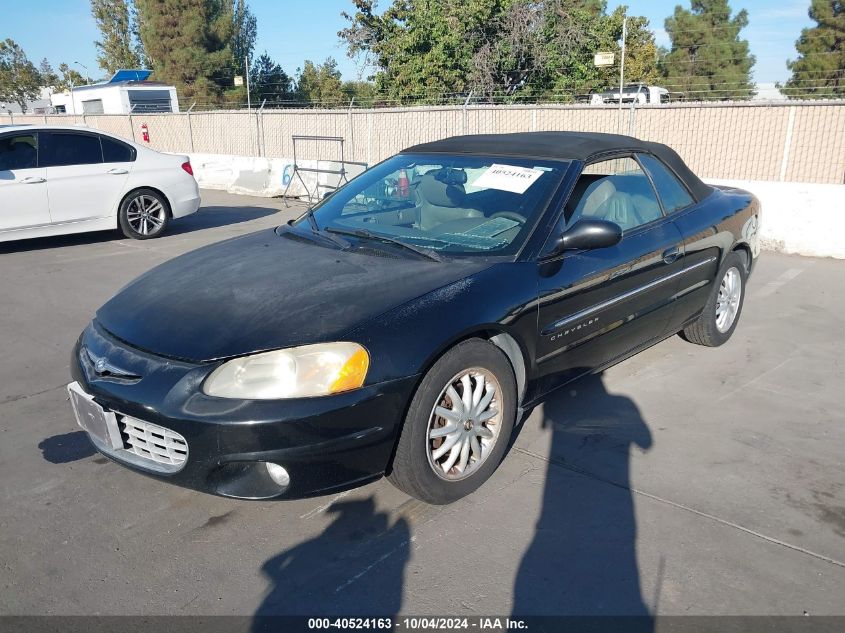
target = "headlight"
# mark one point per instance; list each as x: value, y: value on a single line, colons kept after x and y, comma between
x: 298, y: 372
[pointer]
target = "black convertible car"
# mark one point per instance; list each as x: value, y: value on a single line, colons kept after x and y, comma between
x: 405, y: 324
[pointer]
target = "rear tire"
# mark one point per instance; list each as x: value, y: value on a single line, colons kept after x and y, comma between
x: 143, y: 215
x: 458, y: 425
x: 721, y: 313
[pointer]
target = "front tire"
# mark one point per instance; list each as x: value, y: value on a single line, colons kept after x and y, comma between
x: 458, y: 425
x: 718, y: 320
x: 143, y: 214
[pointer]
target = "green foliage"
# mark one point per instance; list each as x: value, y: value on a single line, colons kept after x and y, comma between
x: 268, y: 81
x: 420, y: 47
x: 320, y: 84
x: 575, y: 31
x: 708, y: 60
x: 68, y: 78
x: 641, y: 54
x: 244, y: 32
x: 188, y: 44
x: 364, y: 93
x: 135, y: 25
x: 818, y: 71
x: 497, y: 48
x: 20, y: 80
x: 49, y: 78
x: 116, y: 47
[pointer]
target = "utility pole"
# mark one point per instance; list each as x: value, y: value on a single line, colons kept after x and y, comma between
x: 248, y: 98
x: 622, y: 66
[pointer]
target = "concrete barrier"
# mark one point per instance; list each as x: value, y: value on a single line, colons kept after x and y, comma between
x: 798, y: 218
x: 267, y: 177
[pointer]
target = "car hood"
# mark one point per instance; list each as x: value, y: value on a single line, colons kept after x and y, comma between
x: 265, y: 291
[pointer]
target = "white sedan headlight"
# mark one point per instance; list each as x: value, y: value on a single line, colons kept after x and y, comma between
x: 297, y: 372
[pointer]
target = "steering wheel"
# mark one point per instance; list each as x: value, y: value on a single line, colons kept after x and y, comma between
x: 510, y: 215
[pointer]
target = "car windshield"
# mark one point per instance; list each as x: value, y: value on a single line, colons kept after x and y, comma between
x: 443, y: 203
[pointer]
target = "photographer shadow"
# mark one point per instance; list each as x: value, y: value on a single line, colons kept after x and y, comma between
x: 582, y: 560
x: 355, y: 567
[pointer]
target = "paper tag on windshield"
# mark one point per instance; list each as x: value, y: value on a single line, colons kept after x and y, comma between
x: 508, y: 178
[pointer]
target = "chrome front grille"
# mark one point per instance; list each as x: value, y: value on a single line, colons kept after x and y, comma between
x: 166, y: 449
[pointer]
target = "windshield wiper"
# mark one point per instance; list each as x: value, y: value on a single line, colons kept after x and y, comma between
x: 311, y: 219
x: 419, y: 250
x: 315, y: 229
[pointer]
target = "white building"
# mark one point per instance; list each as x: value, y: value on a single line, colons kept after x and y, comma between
x: 41, y: 105
x: 125, y: 93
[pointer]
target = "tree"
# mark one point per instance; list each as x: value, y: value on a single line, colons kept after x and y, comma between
x: 244, y: 32
x: 68, y: 78
x: 573, y: 32
x: 49, y: 78
x: 419, y: 47
x: 641, y: 54
x: 511, y: 51
x: 188, y: 43
x: 507, y: 49
x: 818, y: 71
x: 135, y: 25
x: 268, y: 81
x: 20, y: 81
x: 707, y: 59
x: 116, y: 47
x: 363, y: 92
x: 320, y: 84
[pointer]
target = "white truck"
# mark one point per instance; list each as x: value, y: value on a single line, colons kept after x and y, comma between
x: 631, y: 93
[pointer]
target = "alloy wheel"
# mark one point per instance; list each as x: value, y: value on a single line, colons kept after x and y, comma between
x: 727, y: 303
x: 464, y: 424
x: 145, y: 214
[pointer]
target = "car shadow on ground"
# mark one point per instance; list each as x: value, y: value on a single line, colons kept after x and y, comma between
x: 215, y: 216
x: 59, y: 241
x: 206, y: 218
x: 66, y: 448
x: 581, y: 560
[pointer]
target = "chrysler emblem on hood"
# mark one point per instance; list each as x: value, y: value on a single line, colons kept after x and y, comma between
x: 104, y: 368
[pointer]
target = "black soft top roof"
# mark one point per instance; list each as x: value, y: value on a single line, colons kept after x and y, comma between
x: 583, y: 146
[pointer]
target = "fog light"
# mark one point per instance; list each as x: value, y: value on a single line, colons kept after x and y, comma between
x: 278, y: 474
x: 250, y: 480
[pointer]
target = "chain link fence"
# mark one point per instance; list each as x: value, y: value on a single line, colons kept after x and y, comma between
x: 783, y: 141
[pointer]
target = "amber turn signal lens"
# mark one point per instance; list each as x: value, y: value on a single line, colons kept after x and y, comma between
x: 353, y: 372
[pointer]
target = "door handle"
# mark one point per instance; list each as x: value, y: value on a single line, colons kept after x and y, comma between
x: 117, y: 171
x: 33, y: 180
x: 671, y: 254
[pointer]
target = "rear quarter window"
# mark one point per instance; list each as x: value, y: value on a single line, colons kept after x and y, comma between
x: 672, y: 193
x: 116, y: 152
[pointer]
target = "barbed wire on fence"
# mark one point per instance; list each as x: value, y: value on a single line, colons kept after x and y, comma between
x: 769, y: 140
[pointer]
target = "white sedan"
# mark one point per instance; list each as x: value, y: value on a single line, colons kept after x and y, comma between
x: 56, y: 180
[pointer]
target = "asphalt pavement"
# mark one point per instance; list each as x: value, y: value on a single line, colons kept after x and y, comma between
x: 685, y: 480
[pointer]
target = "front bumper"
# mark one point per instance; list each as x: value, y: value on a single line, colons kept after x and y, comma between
x: 325, y: 444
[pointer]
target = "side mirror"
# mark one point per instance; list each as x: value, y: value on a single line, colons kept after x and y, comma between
x: 587, y: 234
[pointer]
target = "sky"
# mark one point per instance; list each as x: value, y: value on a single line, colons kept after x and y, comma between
x: 64, y: 31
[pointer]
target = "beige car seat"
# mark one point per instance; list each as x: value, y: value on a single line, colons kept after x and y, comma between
x: 602, y: 201
x: 441, y: 202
